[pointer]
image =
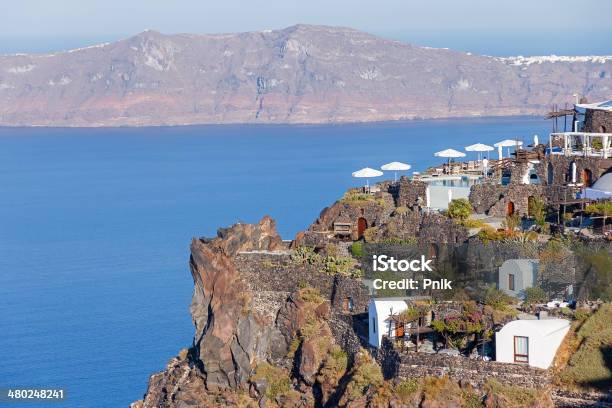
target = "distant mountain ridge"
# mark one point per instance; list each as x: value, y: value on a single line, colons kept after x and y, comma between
x: 301, y: 74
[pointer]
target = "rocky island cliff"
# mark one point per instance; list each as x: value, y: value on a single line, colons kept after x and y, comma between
x: 301, y: 74
x: 279, y: 325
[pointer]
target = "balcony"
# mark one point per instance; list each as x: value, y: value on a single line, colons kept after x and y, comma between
x: 580, y: 144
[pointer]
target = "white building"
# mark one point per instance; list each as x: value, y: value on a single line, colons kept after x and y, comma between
x: 516, y: 275
x: 532, y: 342
x: 379, y: 322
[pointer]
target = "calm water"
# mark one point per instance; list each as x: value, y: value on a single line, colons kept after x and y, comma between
x: 95, y: 226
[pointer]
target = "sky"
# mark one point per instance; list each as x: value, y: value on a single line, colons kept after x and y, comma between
x: 492, y: 27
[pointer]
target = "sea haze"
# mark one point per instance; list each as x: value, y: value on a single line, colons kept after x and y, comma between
x: 95, y: 226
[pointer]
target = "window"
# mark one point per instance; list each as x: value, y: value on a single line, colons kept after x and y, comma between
x: 348, y: 305
x: 521, y: 349
x: 511, y: 281
x: 373, y: 325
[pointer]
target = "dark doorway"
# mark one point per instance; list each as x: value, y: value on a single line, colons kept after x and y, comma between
x: 362, y: 224
x: 510, y: 208
x: 586, y: 177
x: 550, y: 179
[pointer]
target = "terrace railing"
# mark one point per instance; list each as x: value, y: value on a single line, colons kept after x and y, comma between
x: 580, y: 144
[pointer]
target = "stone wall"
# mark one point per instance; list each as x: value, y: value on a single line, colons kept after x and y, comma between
x: 595, y: 119
x: 554, y: 173
x: 403, y: 365
x: 408, y: 192
x: 270, y: 272
x: 344, y: 330
x: 559, y: 167
x: 493, y: 199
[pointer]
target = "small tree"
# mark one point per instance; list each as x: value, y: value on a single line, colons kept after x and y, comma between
x: 460, y: 209
x: 535, y: 295
x: 537, y: 210
x: 512, y: 222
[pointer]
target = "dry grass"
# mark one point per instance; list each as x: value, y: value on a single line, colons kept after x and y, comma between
x: 517, y: 397
x: 589, y: 365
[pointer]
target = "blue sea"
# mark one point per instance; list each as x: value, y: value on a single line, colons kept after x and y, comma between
x: 95, y: 227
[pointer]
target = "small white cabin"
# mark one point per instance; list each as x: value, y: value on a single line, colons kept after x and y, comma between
x: 532, y: 342
x: 379, y: 318
x: 516, y: 275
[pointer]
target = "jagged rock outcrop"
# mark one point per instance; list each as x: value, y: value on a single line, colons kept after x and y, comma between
x: 240, y: 356
x: 229, y: 337
x: 301, y: 74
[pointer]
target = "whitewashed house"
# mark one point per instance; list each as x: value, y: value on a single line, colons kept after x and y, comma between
x: 379, y: 318
x: 516, y: 275
x: 532, y: 342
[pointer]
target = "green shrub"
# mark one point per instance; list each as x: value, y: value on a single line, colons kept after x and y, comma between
x: 398, y: 241
x: 512, y: 222
x: 344, y: 266
x: 357, y: 249
x: 357, y: 198
x: 601, y: 208
x: 471, y: 399
x: 334, y: 366
x: 497, y: 299
x: 581, y: 314
x: 537, y: 210
x: 293, y: 347
x: 406, y: 389
x: 459, y: 209
x: 310, y: 295
x: 401, y: 211
x: 488, y: 233
x: 472, y: 223
x: 365, y: 373
x: 277, y: 379
x: 535, y: 295
x: 305, y: 256
x: 596, y: 143
x: 370, y: 234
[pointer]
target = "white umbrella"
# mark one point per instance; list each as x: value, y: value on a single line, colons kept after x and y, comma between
x: 479, y: 147
x: 507, y: 143
x: 395, y: 167
x: 450, y: 153
x: 367, y: 173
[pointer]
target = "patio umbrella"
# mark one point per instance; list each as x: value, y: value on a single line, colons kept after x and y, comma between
x: 367, y: 173
x: 507, y: 143
x: 395, y: 167
x: 450, y: 153
x: 479, y: 147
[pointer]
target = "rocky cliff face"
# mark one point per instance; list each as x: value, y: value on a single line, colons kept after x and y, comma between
x: 244, y: 356
x: 302, y: 74
x: 229, y: 337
